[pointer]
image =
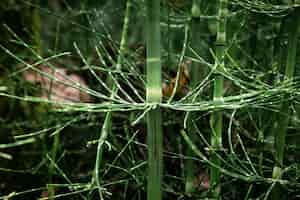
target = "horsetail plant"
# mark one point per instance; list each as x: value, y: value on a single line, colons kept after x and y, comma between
x: 106, y: 128
x: 195, y: 76
x: 154, y: 96
x: 293, y: 30
x: 216, y: 118
x: 36, y: 24
x: 238, y: 166
x: 284, y: 117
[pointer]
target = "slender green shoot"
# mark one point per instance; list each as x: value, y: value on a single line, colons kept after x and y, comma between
x: 190, y: 171
x: 216, y: 118
x: 106, y: 128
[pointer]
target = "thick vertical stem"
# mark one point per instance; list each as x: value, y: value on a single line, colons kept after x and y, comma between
x: 283, y: 119
x: 154, y: 95
x: 195, y: 76
x: 196, y: 72
x: 293, y: 26
x: 106, y: 127
x: 216, y: 118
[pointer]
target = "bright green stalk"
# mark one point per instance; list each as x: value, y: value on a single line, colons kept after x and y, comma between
x: 106, y: 128
x: 154, y: 96
x: 216, y: 118
x: 293, y: 27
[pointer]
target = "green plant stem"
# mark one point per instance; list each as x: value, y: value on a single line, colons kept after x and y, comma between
x: 216, y: 118
x: 195, y: 76
x: 106, y: 128
x: 54, y: 150
x: 36, y: 26
x: 289, y: 73
x: 284, y: 117
x: 154, y: 96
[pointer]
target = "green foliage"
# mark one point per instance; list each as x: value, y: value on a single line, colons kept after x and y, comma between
x: 71, y: 67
